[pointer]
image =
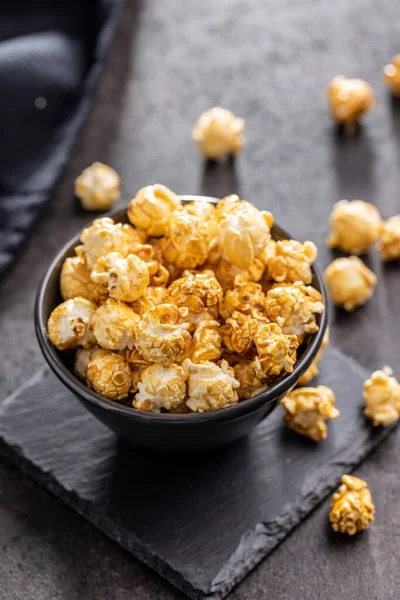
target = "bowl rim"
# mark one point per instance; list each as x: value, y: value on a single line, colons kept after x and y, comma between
x: 238, y: 410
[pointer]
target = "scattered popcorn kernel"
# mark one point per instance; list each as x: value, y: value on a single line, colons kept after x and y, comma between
x: 312, y: 370
x: 162, y: 336
x: 161, y: 387
x: 126, y: 278
x: 389, y: 243
x: 246, y: 297
x: 75, y: 281
x: 349, y: 98
x: 210, y: 386
x: 290, y: 261
x: 218, y: 132
x: 391, y: 74
x: 308, y: 408
x: 70, y: 324
x: 352, y: 508
x: 207, y: 341
x: 97, y: 187
x: 114, y: 325
x: 294, y: 308
x: 382, y: 398
x: 152, y: 296
x: 355, y: 226
x: 151, y: 208
x: 197, y: 292
x: 83, y: 356
x: 276, y: 351
x: 350, y: 282
x: 226, y: 272
x: 187, y: 240
x: 109, y: 375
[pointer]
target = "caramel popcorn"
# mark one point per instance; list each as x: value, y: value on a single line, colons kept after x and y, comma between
x: 294, y: 308
x: 389, y: 243
x: 70, y: 323
x: 251, y: 378
x: 151, y: 208
x: 83, y: 356
x: 109, y: 375
x: 137, y: 365
x: 290, y: 261
x: 239, y: 331
x: 350, y: 282
x: 308, y: 408
x: 97, y: 187
x: 187, y: 240
x: 161, y: 387
x: 227, y: 273
x: 382, y: 397
x: 276, y: 351
x: 246, y: 297
x: 114, y: 325
x: 218, y: 132
x: 210, y: 386
x: 352, y: 508
x: 355, y: 226
x: 207, y: 341
x: 126, y: 278
x: 152, y: 296
x: 349, y: 98
x: 313, y: 370
x: 75, y: 281
x: 391, y: 74
x: 197, y: 292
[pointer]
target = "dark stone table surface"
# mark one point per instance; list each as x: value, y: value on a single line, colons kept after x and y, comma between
x: 268, y: 61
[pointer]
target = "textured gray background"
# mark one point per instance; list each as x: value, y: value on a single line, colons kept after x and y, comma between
x: 269, y: 62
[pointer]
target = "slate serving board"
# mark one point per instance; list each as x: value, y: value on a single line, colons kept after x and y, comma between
x: 201, y: 521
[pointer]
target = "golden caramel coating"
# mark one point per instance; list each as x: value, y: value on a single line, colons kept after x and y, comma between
x: 290, y: 261
x: 294, y: 308
x: 276, y: 351
x: 114, y: 325
x: 210, y: 386
x: 307, y: 409
x: 83, y: 356
x: 389, y: 243
x: 226, y: 272
x: 126, y: 278
x: 137, y: 365
x: 201, y: 208
x: 109, y: 375
x: 75, y: 281
x: 161, y: 387
x: 349, y: 98
x: 207, y: 341
x: 70, y: 324
x: 350, y: 282
x: 382, y: 398
x: 355, y: 226
x: 198, y: 292
x: 246, y: 297
x: 187, y: 240
x: 97, y: 187
x: 352, y: 507
x: 251, y: 379
x: 239, y: 331
x: 151, y: 208
x: 313, y: 370
x: 218, y: 132
x: 152, y: 296
x: 391, y: 74
x: 162, y: 334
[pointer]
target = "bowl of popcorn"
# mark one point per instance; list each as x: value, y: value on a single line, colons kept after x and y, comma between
x: 182, y: 321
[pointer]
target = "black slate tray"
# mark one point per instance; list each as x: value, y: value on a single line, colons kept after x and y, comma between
x: 201, y: 521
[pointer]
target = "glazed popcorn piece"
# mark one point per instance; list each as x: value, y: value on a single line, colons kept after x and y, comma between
x: 355, y: 226
x: 197, y: 292
x: 218, y: 132
x: 350, y: 282
x: 69, y: 325
x: 391, y: 74
x: 349, y: 99
x: 75, y: 281
x: 151, y: 208
x: 227, y: 273
x: 352, y: 508
x: 389, y: 243
x: 210, y: 386
x: 109, y: 375
x: 137, y: 365
x: 239, y: 331
x: 251, y: 378
x: 187, y: 240
x: 207, y: 341
x: 152, y: 296
x: 382, y: 397
x: 246, y: 297
x: 294, y: 307
x: 126, y: 278
x: 201, y: 208
x: 97, y: 187
x: 276, y: 351
x: 114, y: 325
x: 162, y: 334
x: 313, y: 370
x: 161, y: 387
x: 290, y: 261
x: 307, y: 409
x: 83, y: 356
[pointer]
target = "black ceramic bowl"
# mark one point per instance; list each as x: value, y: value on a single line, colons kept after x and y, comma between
x: 186, y: 432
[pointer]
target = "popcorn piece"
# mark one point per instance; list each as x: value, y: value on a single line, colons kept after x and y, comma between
x: 75, y: 281
x: 203, y: 209
x: 162, y: 336
x: 109, y: 375
x: 349, y: 282
x: 83, y: 356
x: 239, y: 331
x: 312, y: 370
x: 161, y: 387
x: 137, y: 365
x: 187, y: 240
x: 198, y: 291
x: 114, y: 325
x: 389, y: 244
x: 152, y: 296
x: 251, y: 379
x: 246, y: 297
x: 97, y: 187
x: 352, y: 508
x: 276, y: 351
x: 151, y: 208
x: 308, y: 408
x: 291, y: 261
x: 294, y: 308
x: 210, y: 386
x: 207, y: 341
x: 126, y: 278
x: 226, y: 272
x: 391, y: 74
x: 69, y: 325
x: 349, y: 98
x: 218, y: 132
x: 355, y: 226
x: 382, y: 398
